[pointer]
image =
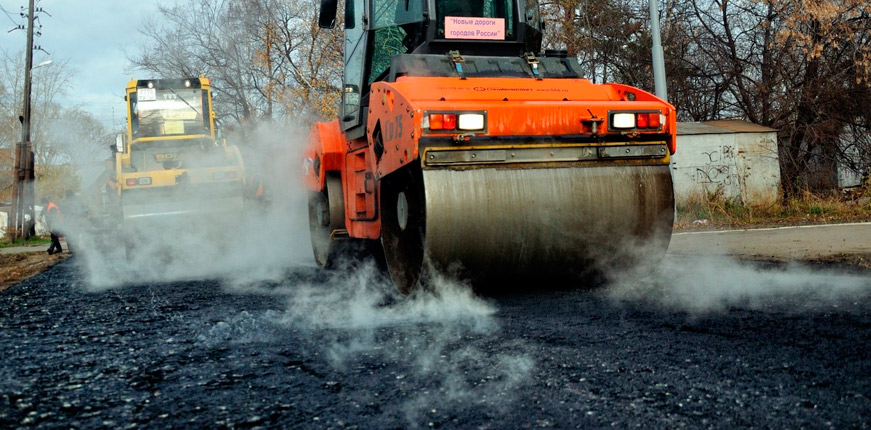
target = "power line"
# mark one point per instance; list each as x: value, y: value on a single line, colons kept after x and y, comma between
x: 8, y: 15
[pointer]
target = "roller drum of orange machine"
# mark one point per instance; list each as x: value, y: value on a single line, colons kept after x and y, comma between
x: 477, y: 157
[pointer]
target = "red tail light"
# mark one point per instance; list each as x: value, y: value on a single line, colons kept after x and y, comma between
x: 450, y: 121
x: 642, y: 120
x: 131, y: 182
x: 436, y: 121
x: 442, y: 121
x: 647, y: 120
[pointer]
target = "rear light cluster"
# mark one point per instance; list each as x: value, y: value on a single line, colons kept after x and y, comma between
x: 471, y: 121
x: 630, y: 120
x: 647, y: 120
x: 442, y: 121
x: 224, y: 175
x: 132, y: 182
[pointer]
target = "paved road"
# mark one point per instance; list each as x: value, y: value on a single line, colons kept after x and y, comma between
x: 785, y: 243
x: 699, y: 343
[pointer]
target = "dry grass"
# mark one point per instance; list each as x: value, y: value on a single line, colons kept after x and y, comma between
x: 713, y: 210
x: 37, y: 240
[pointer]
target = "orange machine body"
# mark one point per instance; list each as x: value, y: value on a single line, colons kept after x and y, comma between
x: 519, y: 113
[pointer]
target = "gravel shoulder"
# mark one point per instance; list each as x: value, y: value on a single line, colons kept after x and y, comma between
x: 22, y: 262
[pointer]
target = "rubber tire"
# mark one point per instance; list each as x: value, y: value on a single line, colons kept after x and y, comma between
x: 325, y: 247
x: 404, y: 248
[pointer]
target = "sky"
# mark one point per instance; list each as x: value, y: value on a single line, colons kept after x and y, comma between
x: 92, y: 35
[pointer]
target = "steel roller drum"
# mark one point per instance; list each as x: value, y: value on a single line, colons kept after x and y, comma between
x: 509, y: 223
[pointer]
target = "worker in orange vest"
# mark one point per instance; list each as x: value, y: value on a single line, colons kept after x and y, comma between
x: 54, y: 218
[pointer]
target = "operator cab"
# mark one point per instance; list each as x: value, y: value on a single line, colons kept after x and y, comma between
x: 168, y: 107
x: 170, y: 125
x: 389, y: 38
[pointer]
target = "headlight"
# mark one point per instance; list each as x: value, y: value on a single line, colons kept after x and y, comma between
x: 471, y: 121
x: 449, y: 121
x: 623, y: 120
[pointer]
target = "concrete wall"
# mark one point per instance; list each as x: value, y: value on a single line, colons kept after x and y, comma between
x: 737, y: 158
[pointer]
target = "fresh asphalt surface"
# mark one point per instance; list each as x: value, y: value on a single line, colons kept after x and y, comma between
x: 703, y: 343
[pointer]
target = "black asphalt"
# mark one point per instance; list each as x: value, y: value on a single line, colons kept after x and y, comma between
x: 311, y: 351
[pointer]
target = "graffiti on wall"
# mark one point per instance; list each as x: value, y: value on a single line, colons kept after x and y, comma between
x: 719, y: 167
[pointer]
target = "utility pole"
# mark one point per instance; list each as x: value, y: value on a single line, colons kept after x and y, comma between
x: 658, y: 57
x: 22, y: 192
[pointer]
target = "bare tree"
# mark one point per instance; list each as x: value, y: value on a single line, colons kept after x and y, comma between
x: 802, y: 67
x: 798, y: 66
x: 605, y: 36
x: 49, y: 84
x: 267, y: 58
x: 61, y: 136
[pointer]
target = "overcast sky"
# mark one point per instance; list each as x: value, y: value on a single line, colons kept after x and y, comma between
x: 93, y: 36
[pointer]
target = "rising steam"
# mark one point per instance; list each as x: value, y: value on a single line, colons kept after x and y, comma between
x: 261, y: 244
x: 435, y: 339
x: 714, y: 284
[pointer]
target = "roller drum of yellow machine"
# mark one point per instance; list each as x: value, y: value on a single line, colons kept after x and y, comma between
x: 462, y: 151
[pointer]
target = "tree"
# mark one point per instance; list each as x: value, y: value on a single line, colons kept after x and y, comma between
x: 48, y: 85
x: 607, y: 37
x: 267, y: 58
x: 830, y: 85
x: 61, y: 136
x: 798, y: 66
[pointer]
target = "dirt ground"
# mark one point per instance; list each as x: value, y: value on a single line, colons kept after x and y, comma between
x: 17, y: 267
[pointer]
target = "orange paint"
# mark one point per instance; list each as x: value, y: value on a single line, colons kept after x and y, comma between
x: 522, y: 107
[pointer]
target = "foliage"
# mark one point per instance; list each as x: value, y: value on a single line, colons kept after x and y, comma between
x: 54, y: 181
x: 268, y: 59
x: 800, y: 66
x: 63, y: 138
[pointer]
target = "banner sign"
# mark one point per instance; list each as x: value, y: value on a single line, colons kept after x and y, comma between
x: 465, y: 27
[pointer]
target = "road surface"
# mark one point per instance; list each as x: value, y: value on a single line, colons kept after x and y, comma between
x: 699, y: 342
x: 782, y: 244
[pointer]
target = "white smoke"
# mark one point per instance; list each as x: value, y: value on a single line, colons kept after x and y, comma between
x: 262, y: 244
x: 438, y: 338
x: 715, y: 284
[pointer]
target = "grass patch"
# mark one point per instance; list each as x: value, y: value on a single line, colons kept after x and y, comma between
x: 714, y: 210
x: 36, y: 240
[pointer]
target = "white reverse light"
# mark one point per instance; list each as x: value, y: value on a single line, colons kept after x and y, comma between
x: 470, y: 121
x: 623, y: 120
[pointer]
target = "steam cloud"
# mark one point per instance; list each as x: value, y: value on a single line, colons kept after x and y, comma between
x: 702, y: 285
x: 434, y: 343
x: 262, y: 244
x: 436, y: 339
